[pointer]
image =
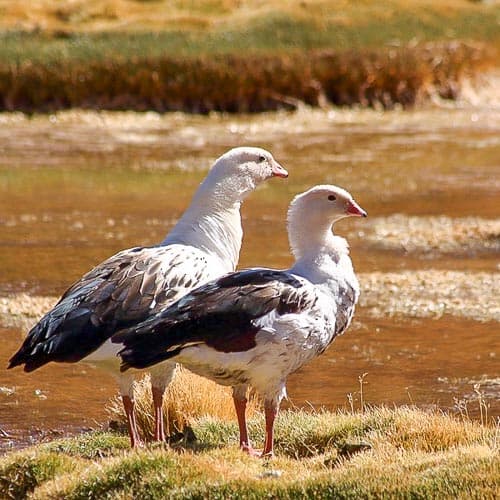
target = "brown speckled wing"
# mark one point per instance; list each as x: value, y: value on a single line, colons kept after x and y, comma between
x: 124, y: 289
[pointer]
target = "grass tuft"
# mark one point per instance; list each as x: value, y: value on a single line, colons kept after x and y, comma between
x: 89, y: 446
x: 406, y: 453
x: 299, y: 433
x: 22, y: 472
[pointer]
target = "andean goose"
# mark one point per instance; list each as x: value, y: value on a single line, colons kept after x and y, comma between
x: 255, y: 327
x: 131, y: 285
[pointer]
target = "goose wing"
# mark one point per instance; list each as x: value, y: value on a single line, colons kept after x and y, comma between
x: 120, y: 291
x: 224, y: 314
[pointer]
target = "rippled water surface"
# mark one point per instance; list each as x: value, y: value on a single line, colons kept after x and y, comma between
x: 77, y: 187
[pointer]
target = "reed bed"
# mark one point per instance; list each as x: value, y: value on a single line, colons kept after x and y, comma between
x: 227, y: 56
x: 244, y: 82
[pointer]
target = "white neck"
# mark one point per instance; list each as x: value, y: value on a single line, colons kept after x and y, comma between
x: 213, y: 222
x: 315, y: 247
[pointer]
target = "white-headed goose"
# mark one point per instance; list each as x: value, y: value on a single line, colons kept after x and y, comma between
x: 133, y: 284
x: 255, y: 327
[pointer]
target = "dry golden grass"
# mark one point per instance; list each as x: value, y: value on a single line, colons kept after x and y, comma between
x: 99, y: 15
x: 188, y: 398
x: 438, y: 431
x: 409, y: 453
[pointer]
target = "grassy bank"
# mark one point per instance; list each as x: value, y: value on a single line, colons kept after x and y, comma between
x: 365, y: 452
x: 232, y: 25
x: 204, y: 56
x: 404, y: 453
x: 361, y: 453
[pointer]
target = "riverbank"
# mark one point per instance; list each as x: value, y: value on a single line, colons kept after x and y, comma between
x: 374, y: 452
x: 234, y: 59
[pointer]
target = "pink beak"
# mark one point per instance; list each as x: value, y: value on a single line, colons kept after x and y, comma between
x: 354, y: 209
x: 278, y: 170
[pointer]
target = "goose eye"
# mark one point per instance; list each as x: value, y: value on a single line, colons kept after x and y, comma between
x: 262, y: 158
x: 331, y: 197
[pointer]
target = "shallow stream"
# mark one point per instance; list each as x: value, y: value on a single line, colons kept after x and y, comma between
x: 77, y: 187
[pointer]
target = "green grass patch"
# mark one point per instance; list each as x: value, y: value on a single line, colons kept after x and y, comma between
x: 89, y: 446
x: 380, y: 452
x: 320, y: 26
x: 21, y: 473
x: 274, y: 33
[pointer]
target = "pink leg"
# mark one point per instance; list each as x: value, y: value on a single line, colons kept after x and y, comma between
x: 270, y: 412
x: 240, y: 406
x: 158, y: 407
x: 128, y: 405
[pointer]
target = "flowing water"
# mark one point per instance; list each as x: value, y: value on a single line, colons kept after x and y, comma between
x: 77, y: 187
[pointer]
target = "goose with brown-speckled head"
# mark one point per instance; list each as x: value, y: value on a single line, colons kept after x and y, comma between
x: 135, y: 283
x: 255, y: 327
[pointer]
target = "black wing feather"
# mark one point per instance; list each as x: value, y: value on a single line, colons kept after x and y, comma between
x: 221, y: 314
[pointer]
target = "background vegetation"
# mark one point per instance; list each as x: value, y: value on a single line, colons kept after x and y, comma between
x: 239, y: 56
x: 236, y: 25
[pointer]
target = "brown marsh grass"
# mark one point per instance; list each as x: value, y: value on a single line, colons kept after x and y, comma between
x: 245, y: 82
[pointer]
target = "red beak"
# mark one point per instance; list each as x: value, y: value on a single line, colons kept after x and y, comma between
x: 278, y: 170
x: 354, y: 209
